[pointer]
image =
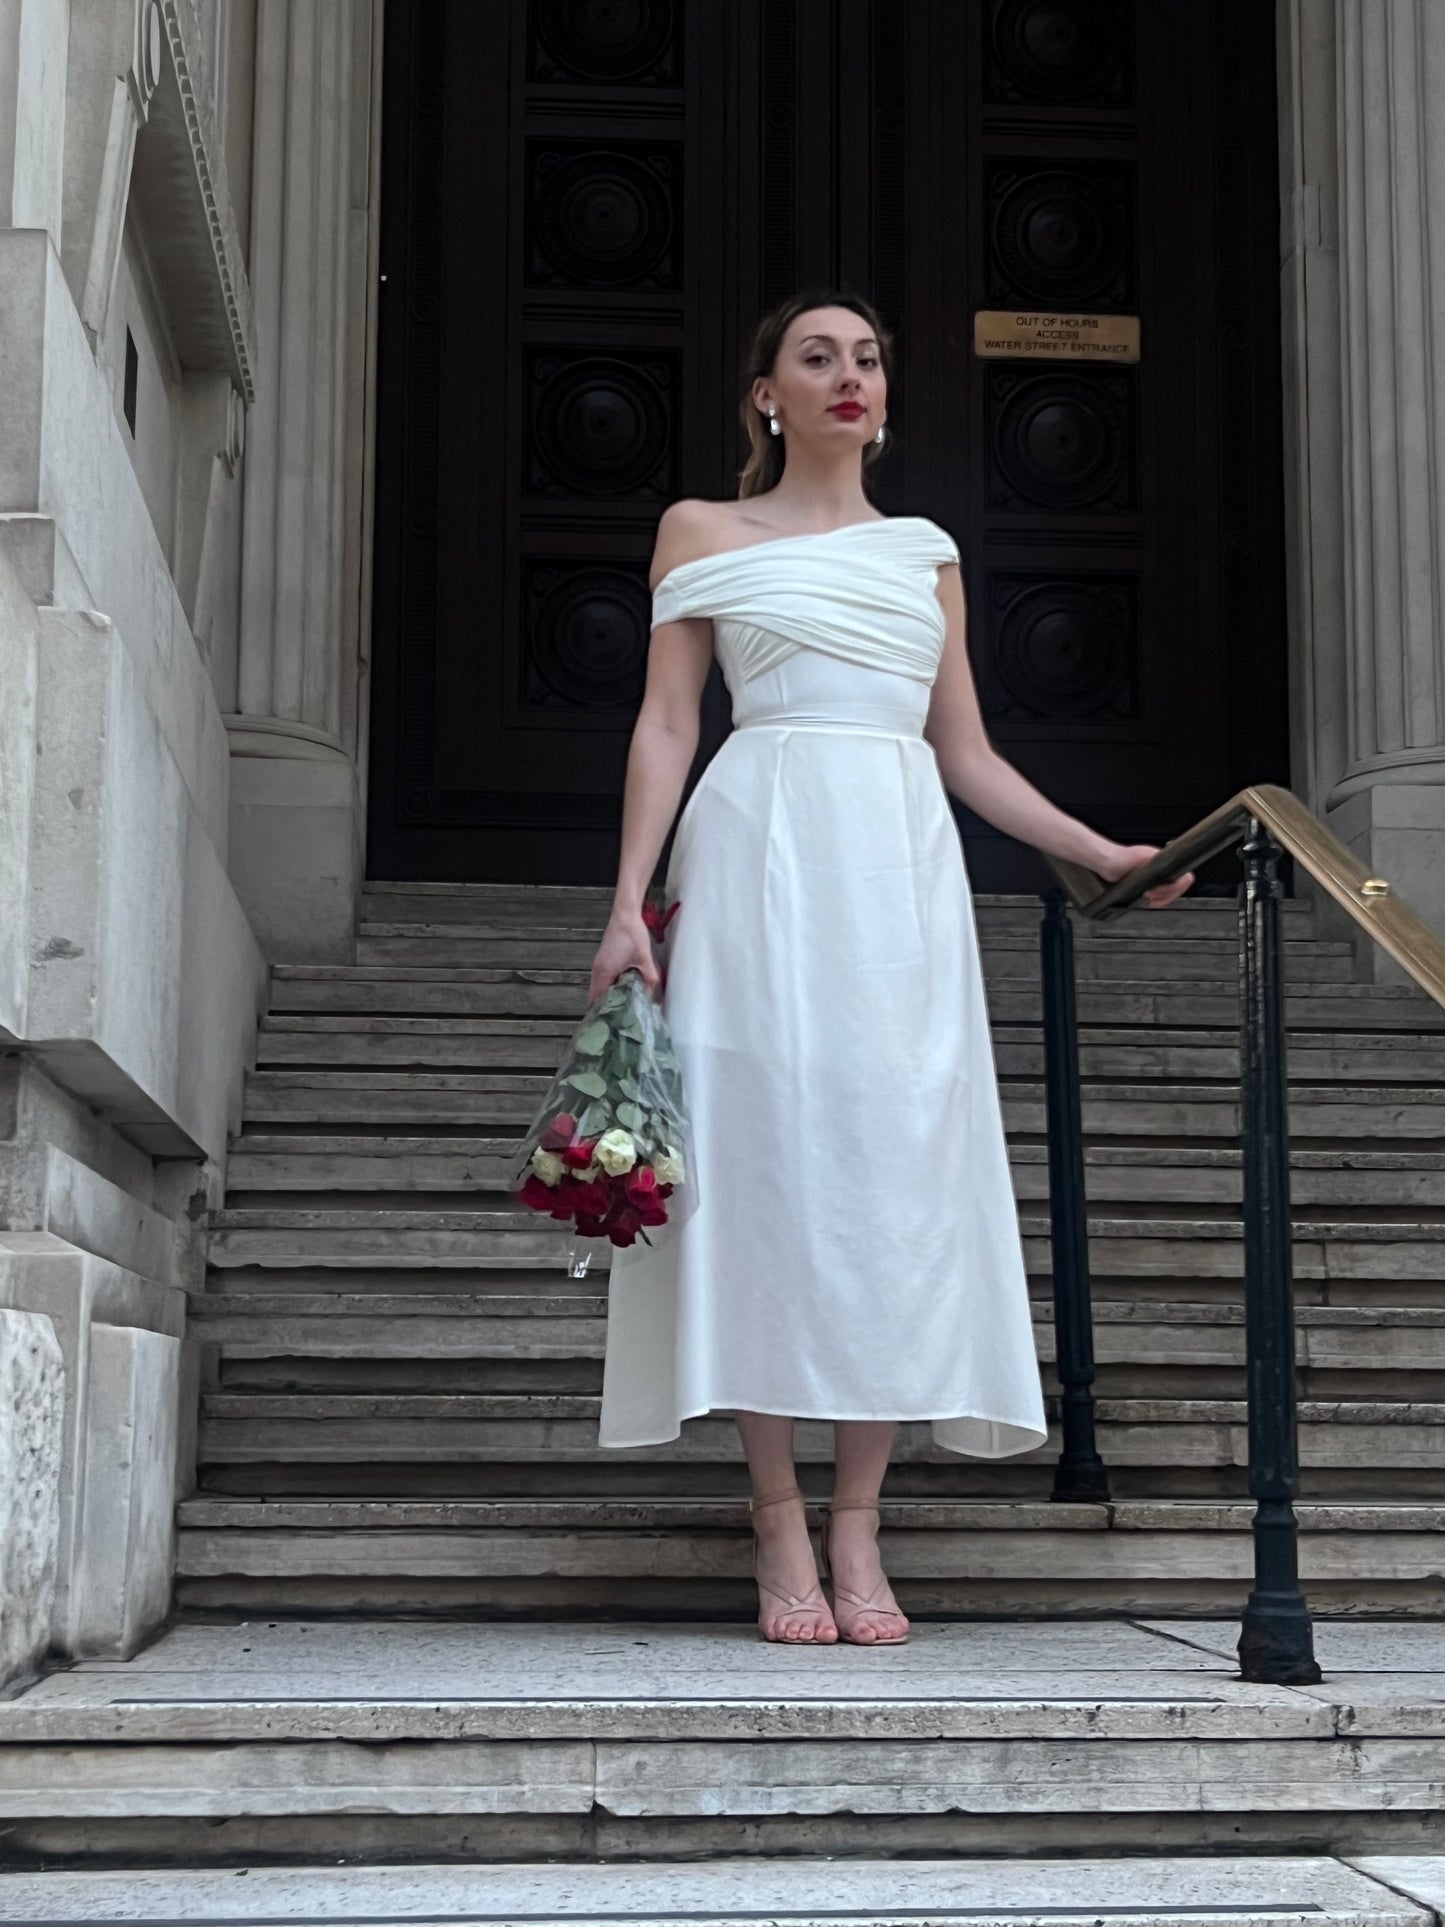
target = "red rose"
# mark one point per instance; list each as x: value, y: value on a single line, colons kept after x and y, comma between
x: 560, y: 1206
x: 592, y: 1197
x: 559, y: 1132
x: 579, y: 1155
x: 536, y: 1194
x: 640, y: 1184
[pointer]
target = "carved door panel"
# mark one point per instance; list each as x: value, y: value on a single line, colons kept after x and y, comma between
x: 550, y: 315
x: 584, y: 209
x: 1121, y: 523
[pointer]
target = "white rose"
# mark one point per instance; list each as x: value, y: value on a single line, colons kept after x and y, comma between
x: 669, y: 1166
x: 548, y: 1165
x: 616, y: 1152
x: 593, y: 1171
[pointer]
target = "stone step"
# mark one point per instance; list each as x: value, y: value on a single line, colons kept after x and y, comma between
x: 679, y: 1555
x: 1171, y: 1055
x: 1138, y: 1892
x: 534, y: 1474
x: 262, y: 1162
x: 922, y: 1521
x: 1016, y: 921
x: 482, y: 1098
x: 624, y: 1740
x: 419, y: 1326
x: 543, y: 905
x: 1307, y: 959
x: 520, y: 1284
x: 433, y: 1342
x: 1123, y: 1247
x: 397, y: 1428
x: 1212, y: 1002
x: 389, y: 889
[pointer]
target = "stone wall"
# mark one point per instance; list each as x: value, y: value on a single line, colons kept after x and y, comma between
x: 182, y: 645
x: 130, y: 978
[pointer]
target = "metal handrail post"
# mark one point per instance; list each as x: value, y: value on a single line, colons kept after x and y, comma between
x: 1080, y: 1472
x: 1276, y: 1641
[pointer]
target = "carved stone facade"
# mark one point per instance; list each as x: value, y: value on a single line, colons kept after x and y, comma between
x: 188, y: 281
x: 184, y: 305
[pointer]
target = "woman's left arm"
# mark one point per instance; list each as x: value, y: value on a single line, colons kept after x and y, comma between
x: 973, y: 770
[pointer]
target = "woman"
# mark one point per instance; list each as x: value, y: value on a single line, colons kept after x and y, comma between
x: 854, y: 1252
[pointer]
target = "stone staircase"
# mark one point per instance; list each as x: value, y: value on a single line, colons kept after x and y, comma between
x: 400, y: 1411
x: 436, y: 1657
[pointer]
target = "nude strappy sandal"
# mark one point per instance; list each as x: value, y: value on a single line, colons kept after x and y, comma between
x: 812, y: 1601
x: 855, y: 1601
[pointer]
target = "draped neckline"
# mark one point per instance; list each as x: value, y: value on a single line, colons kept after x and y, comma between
x: 777, y: 541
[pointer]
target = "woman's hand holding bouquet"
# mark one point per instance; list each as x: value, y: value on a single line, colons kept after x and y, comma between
x: 607, y: 1149
x: 626, y: 945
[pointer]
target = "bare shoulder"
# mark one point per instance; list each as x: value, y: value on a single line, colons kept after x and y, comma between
x: 691, y: 529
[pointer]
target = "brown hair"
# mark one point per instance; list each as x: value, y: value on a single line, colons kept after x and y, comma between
x: 764, y: 466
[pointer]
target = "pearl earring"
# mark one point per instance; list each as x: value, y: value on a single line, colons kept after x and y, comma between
x: 879, y: 436
x: 773, y: 428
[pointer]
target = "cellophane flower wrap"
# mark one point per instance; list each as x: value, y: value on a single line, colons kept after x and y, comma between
x: 608, y: 1150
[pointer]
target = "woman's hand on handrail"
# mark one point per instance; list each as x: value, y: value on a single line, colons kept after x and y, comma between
x: 1120, y: 858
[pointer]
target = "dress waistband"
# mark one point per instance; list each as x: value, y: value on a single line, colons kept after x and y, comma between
x: 831, y: 724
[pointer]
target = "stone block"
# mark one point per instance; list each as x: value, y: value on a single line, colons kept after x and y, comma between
x: 296, y: 855
x: 122, y: 1588
x: 31, y: 1408
x: 144, y: 979
x: 80, y: 1296
x: 88, y: 1210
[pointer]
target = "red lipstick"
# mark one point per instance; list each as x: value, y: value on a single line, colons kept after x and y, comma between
x: 848, y: 411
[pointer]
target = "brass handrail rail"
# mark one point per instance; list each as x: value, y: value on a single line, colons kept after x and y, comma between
x: 1389, y: 920
x: 1276, y: 1641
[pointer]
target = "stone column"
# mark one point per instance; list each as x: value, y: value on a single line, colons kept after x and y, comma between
x: 296, y: 814
x: 1388, y: 800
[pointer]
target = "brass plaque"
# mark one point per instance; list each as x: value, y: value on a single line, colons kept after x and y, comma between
x: 1002, y: 334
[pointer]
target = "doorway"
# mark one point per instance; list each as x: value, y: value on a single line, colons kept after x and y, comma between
x: 586, y: 206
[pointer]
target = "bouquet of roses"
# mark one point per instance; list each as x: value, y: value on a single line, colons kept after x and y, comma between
x: 607, y: 1148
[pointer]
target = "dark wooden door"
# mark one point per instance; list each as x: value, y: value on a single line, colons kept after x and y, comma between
x: 586, y: 203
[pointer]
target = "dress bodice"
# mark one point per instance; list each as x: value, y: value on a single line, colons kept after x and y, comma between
x: 862, y: 595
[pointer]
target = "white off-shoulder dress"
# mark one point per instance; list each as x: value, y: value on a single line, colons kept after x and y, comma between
x: 854, y: 1252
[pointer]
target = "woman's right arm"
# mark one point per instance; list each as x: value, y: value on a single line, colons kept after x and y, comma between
x: 664, y: 743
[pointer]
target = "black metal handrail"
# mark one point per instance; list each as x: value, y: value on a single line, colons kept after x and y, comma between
x: 1079, y: 1473
x: 1276, y: 1642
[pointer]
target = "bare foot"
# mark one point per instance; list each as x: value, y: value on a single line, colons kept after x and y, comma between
x: 866, y: 1613
x: 792, y: 1608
